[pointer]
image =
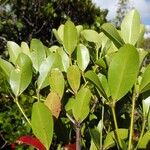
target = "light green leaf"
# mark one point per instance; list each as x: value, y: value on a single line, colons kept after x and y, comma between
x: 38, y: 53
x: 92, y: 77
x: 142, y: 55
x: 64, y: 59
x: 79, y: 29
x: 123, y: 71
x: 130, y: 27
x: 111, y: 32
x: 44, y: 71
x: 91, y: 36
x: 7, y: 67
x: 110, y: 138
x: 145, y: 140
x: 57, y: 82
x: 146, y: 107
x: 61, y: 32
x: 70, y: 104
x: 70, y: 37
x: 145, y: 82
x: 81, y: 106
x: 21, y: 77
x: 13, y: 50
x: 53, y: 48
x: 83, y: 57
x: 57, y: 36
x: 25, y: 48
x: 141, y: 34
x: 42, y: 124
x: 73, y: 77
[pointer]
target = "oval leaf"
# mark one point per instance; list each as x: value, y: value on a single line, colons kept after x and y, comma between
x: 73, y: 77
x: 21, y: 77
x: 81, y: 105
x: 70, y: 37
x: 6, y: 66
x: 44, y: 71
x: 145, y: 83
x: 53, y: 102
x: 123, y: 71
x: 38, y: 53
x: 91, y: 36
x: 13, y: 50
x: 111, y: 32
x: 42, y: 123
x: 130, y: 27
x: 83, y: 57
x: 57, y: 82
x: 92, y: 77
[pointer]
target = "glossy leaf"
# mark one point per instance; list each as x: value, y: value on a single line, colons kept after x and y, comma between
x: 42, y: 123
x: 111, y: 32
x: 38, y: 53
x: 25, y: 48
x: 81, y: 106
x: 64, y: 59
x: 73, y: 77
x: 53, y: 102
x: 44, y: 71
x: 145, y: 82
x: 110, y: 138
x: 70, y: 37
x: 13, y: 50
x: 21, y: 77
x: 7, y: 67
x: 92, y: 77
x: 130, y: 27
x: 83, y: 57
x: 91, y: 36
x: 123, y: 71
x: 57, y: 82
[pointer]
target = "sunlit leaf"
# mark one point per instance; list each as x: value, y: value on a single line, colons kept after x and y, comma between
x: 130, y: 27
x: 123, y: 71
x: 70, y: 37
x: 81, y: 106
x: 83, y: 57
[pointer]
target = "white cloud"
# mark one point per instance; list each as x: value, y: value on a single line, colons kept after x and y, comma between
x: 143, y: 6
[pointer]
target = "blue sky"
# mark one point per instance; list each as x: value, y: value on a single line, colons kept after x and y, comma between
x: 143, y: 6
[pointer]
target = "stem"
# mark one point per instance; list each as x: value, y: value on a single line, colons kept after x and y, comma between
x: 78, y: 136
x: 22, y: 111
x: 116, y: 126
x: 142, y: 132
x: 38, y: 95
x: 134, y: 97
x: 101, y: 133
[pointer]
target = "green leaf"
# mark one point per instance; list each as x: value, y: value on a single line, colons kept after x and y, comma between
x: 25, y: 48
x: 44, y: 71
x: 110, y: 138
x: 91, y: 36
x: 130, y: 27
x: 73, y: 77
x: 42, y: 123
x: 95, y: 136
x: 7, y: 67
x: 79, y: 29
x: 70, y: 104
x: 111, y: 32
x: 70, y: 37
x: 141, y: 34
x: 53, y: 48
x: 21, y: 77
x: 145, y: 140
x: 142, y: 55
x: 57, y: 82
x: 81, y: 106
x: 64, y: 59
x: 13, y: 50
x: 92, y: 77
x: 83, y: 57
x: 38, y: 53
x: 145, y: 82
x: 123, y: 70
